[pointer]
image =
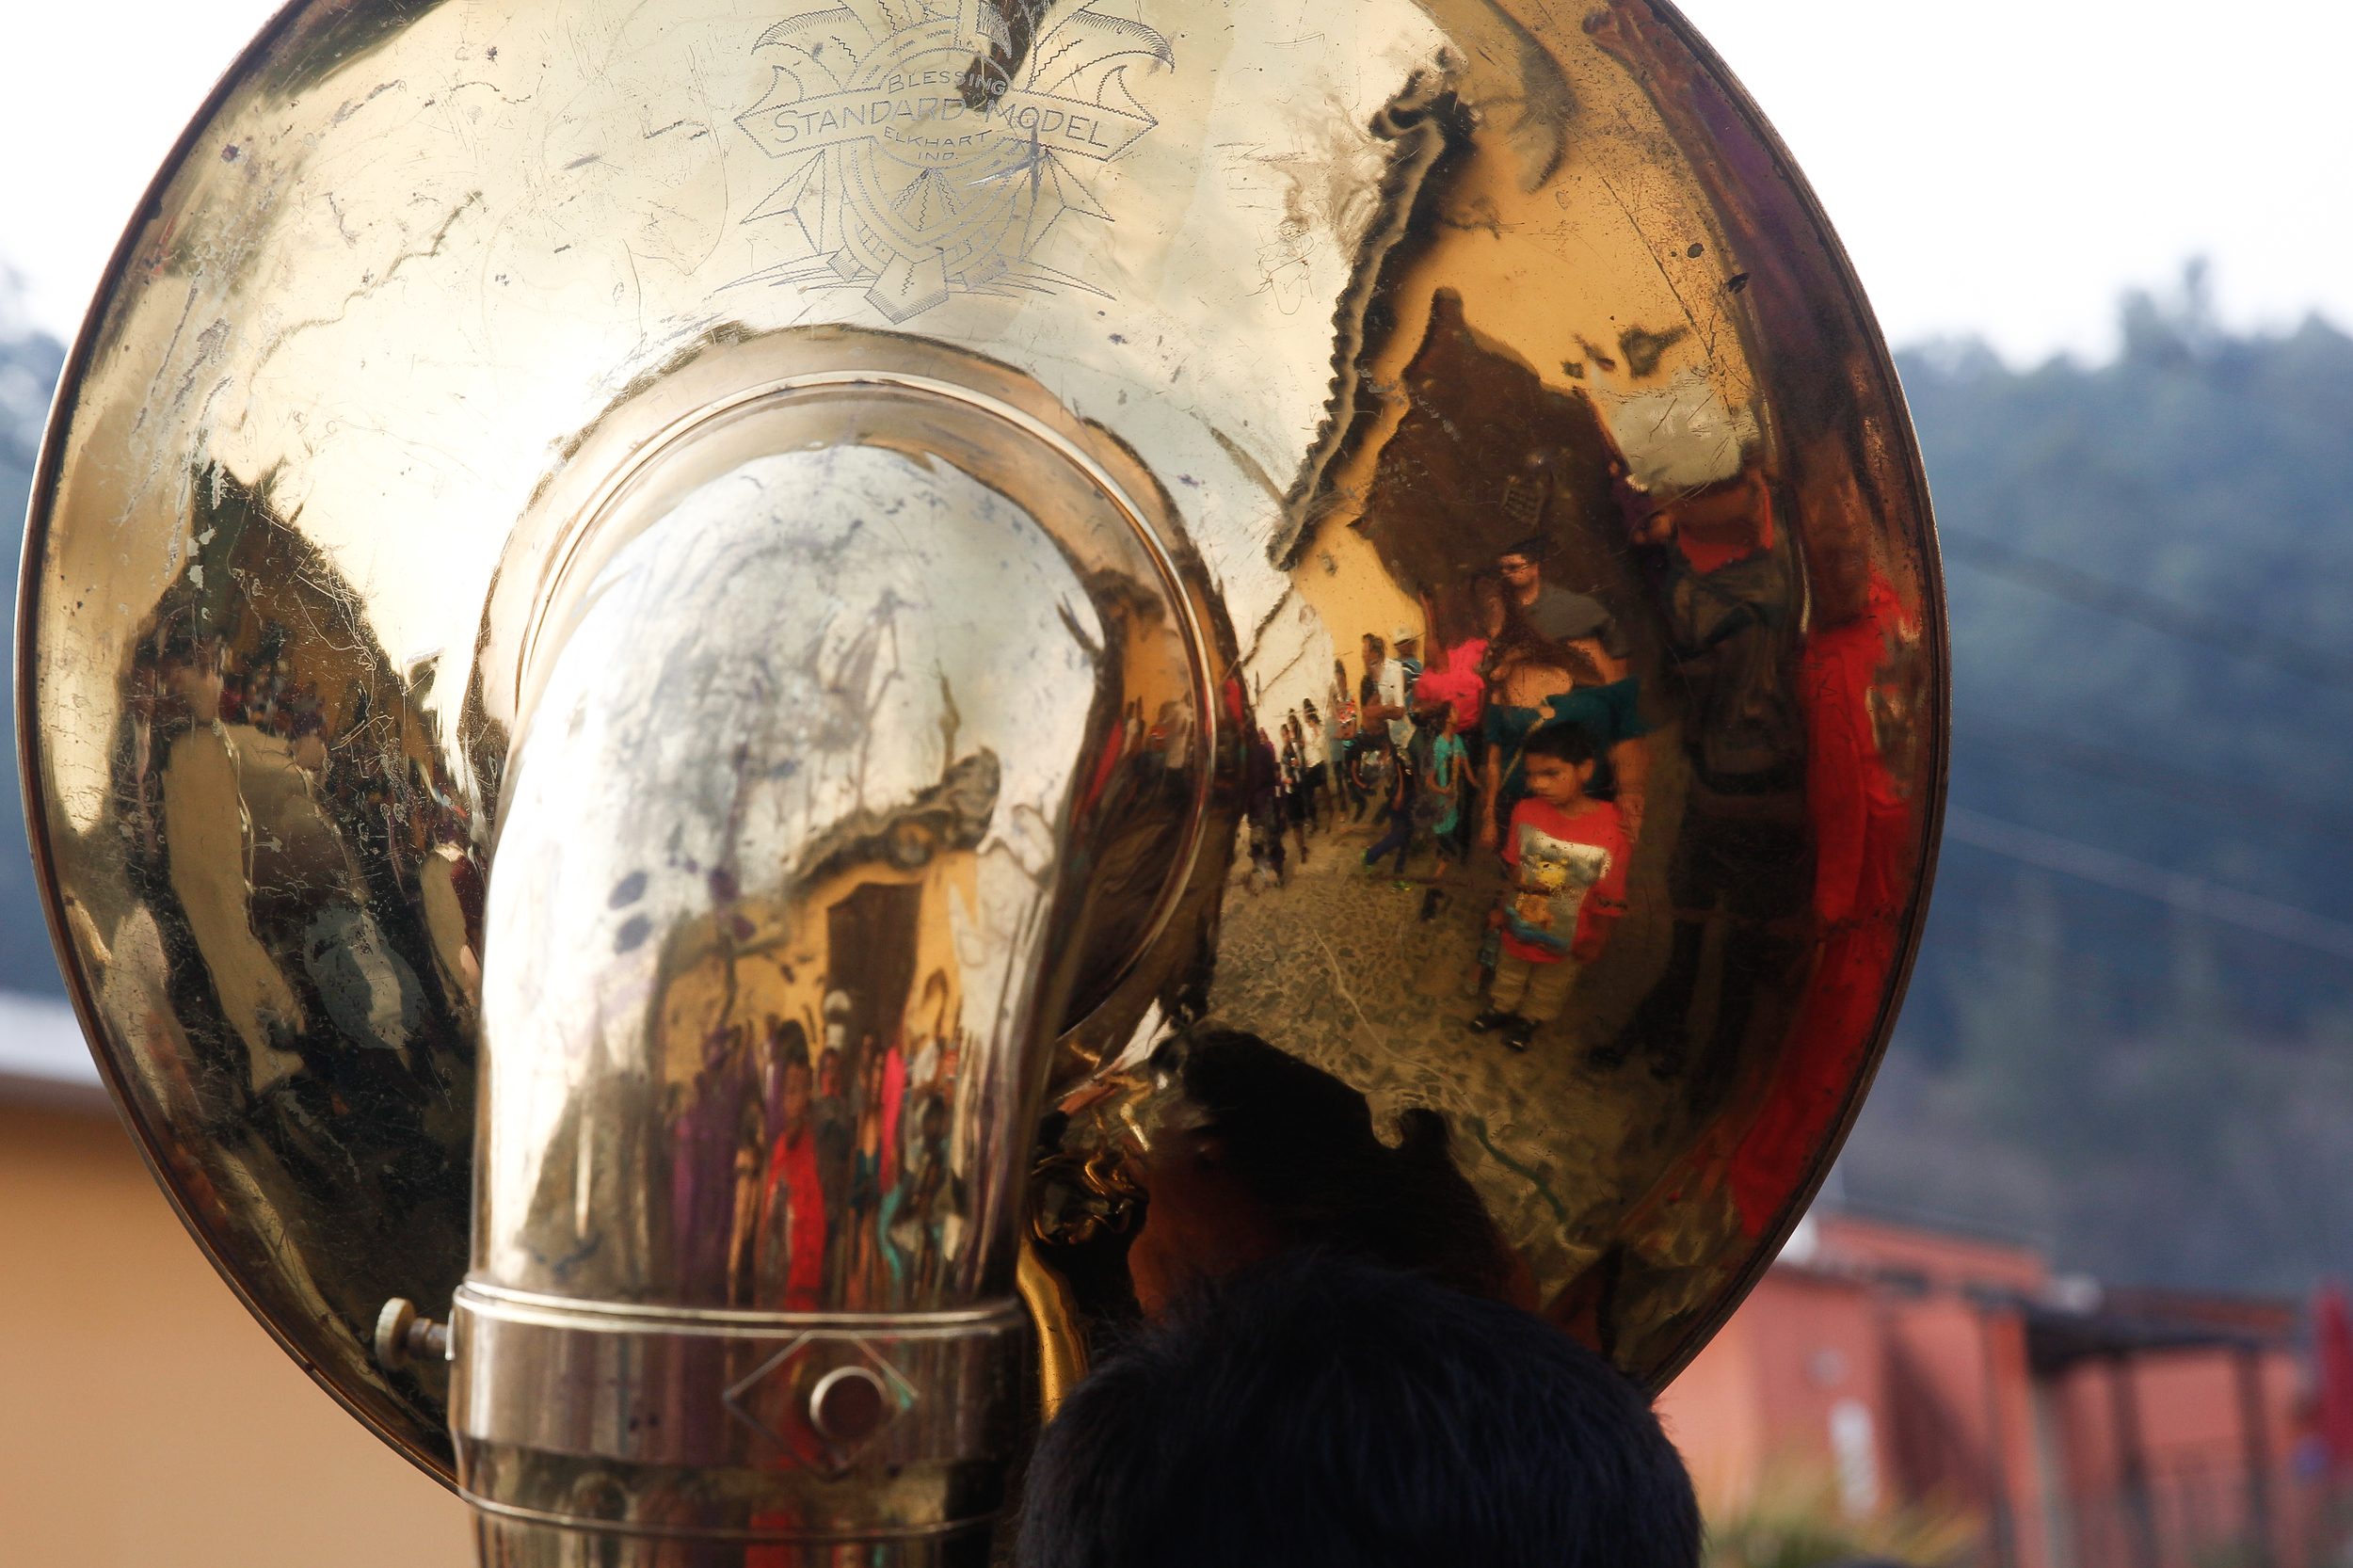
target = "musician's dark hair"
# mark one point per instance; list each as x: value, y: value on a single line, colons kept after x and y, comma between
x: 1317, y: 1410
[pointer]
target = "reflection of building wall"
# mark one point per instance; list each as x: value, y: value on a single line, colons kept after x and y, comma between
x: 1634, y: 301
x: 1908, y: 1368
x: 787, y: 976
x: 150, y: 1420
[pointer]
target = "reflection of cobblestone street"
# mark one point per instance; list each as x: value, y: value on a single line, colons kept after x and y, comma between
x: 1342, y: 968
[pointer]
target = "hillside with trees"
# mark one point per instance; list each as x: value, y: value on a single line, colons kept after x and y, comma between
x: 2128, y: 1033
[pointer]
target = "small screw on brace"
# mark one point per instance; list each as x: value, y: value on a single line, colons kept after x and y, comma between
x: 402, y: 1336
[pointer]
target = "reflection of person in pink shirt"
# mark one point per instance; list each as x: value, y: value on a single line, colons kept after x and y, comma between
x: 1452, y: 676
x: 894, y: 1099
x: 790, y: 1266
x: 1851, y: 683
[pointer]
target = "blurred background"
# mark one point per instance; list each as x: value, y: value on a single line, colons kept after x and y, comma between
x: 2065, y: 1302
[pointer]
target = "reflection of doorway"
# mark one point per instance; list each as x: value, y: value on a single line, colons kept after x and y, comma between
x: 870, y: 941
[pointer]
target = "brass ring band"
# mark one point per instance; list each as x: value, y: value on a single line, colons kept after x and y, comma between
x: 693, y: 1533
x: 595, y: 1316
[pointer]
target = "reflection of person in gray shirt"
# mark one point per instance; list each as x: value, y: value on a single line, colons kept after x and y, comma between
x: 1550, y: 609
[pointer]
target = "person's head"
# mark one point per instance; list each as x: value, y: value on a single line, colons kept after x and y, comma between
x: 1558, y: 760
x: 792, y: 1094
x: 1521, y: 566
x: 1375, y: 649
x: 1407, y: 641
x: 1316, y: 1411
x: 1651, y: 522
x: 1273, y: 1153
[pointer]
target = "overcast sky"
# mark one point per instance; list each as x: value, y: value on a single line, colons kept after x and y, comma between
x: 1998, y: 169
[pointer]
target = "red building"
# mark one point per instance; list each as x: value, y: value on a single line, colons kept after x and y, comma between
x: 2079, y: 1427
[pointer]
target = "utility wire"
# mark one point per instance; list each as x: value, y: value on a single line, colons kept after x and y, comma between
x: 2163, y: 615
x: 2106, y: 869
x: 2235, y: 798
x: 2098, y: 977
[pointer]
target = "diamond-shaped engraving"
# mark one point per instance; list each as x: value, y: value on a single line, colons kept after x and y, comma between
x: 770, y: 1398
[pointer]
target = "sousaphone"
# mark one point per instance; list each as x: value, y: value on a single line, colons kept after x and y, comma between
x: 705, y: 690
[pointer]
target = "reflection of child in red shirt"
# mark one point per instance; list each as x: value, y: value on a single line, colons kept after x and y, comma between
x: 1859, y: 683
x: 1567, y: 855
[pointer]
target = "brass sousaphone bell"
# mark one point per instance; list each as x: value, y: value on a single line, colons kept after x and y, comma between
x: 737, y: 650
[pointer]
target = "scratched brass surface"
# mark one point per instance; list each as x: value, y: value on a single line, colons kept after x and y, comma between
x: 409, y: 405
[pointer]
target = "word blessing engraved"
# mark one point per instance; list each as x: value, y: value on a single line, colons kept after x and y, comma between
x: 931, y: 148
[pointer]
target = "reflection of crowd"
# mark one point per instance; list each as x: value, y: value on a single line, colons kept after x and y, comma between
x: 1784, y: 729
x: 1427, y: 740
x: 1432, y: 744
x: 800, y: 1185
x: 1501, y: 747
x: 1428, y: 752
x: 1140, y: 763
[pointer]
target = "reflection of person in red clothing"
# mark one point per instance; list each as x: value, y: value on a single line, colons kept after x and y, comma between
x: 1452, y: 676
x: 1858, y: 686
x: 791, y: 1267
